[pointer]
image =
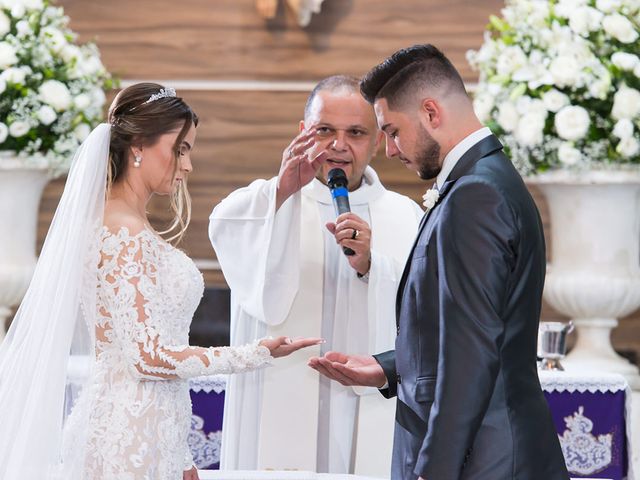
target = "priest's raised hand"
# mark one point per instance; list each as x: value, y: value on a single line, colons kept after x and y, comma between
x: 299, y: 166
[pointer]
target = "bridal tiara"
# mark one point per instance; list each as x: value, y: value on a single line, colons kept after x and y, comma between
x: 163, y: 93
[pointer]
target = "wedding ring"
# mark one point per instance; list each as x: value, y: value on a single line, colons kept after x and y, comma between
x: 355, y: 234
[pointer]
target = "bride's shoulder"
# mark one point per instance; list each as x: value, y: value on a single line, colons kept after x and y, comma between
x: 122, y: 223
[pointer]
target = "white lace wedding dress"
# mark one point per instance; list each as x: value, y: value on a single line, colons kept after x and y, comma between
x: 137, y: 402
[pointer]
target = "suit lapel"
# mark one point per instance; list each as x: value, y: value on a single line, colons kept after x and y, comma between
x: 481, y: 149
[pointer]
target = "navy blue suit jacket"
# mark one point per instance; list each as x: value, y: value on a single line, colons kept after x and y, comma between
x: 470, y: 404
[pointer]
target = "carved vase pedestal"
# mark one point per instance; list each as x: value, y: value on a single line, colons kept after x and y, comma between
x: 594, y: 272
x: 20, y: 193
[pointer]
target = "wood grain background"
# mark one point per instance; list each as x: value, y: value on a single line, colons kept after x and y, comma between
x: 225, y: 43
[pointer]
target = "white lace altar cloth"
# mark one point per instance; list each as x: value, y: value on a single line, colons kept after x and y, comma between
x: 276, y: 475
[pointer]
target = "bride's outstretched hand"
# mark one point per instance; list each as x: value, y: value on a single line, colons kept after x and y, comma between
x: 283, y: 346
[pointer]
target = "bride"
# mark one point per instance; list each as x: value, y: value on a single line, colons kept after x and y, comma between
x: 111, y: 295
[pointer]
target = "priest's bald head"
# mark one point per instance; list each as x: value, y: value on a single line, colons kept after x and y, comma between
x: 344, y: 125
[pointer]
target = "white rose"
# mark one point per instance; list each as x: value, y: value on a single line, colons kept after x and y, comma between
x: 584, y: 20
x: 628, y: 147
x: 3, y: 85
x: 5, y: 24
x: 33, y: 4
x: 54, y: 38
x: 625, y: 61
x: 529, y: 131
x: 18, y: 10
x: 508, y: 116
x: 56, y: 94
x: 564, y: 8
x: 600, y: 88
x: 526, y: 104
x: 538, y: 14
x: 620, y: 28
x: 510, y: 60
x: 554, y: 100
x: 23, y: 28
x: 8, y: 55
x: 4, y: 132
x: 636, y: 71
x: 19, y: 128
x: 572, y: 122
x: 70, y: 52
x: 483, y: 104
x: 568, y: 155
x: 607, y: 6
x: 13, y: 75
x: 564, y: 70
x: 623, y: 128
x: 82, y: 101
x: 82, y: 131
x: 98, y: 97
x: 47, y: 115
x: 90, y: 65
x: 626, y: 103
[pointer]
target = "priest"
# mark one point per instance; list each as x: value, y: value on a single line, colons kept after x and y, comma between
x: 276, y: 241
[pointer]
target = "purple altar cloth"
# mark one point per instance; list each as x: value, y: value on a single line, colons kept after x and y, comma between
x: 207, y: 399
x: 590, y: 414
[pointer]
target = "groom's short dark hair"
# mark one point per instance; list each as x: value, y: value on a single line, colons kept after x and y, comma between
x: 409, y: 70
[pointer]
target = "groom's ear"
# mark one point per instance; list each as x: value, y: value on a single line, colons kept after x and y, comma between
x: 430, y: 113
x: 301, y: 126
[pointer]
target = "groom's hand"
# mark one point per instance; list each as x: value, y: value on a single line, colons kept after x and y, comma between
x: 191, y: 474
x: 350, y: 370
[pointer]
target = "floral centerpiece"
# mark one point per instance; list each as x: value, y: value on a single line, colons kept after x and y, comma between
x: 560, y: 83
x: 51, y: 89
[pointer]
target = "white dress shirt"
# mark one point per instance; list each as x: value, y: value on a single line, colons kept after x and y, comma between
x: 457, y: 152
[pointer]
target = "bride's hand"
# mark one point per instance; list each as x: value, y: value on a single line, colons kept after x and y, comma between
x: 283, y: 346
x: 191, y: 474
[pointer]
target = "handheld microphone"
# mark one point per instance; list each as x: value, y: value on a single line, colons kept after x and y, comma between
x: 338, y: 182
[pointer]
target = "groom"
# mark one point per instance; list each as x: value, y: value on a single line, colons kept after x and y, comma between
x: 469, y: 402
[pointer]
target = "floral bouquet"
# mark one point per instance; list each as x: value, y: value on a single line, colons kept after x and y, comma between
x: 51, y: 90
x: 560, y: 83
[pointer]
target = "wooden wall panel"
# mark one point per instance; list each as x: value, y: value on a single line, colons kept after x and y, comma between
x: 227, y: 39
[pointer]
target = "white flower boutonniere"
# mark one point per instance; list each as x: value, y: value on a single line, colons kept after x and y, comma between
x: 430, y: 198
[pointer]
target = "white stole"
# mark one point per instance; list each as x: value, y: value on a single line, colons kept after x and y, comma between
x: 307, y: 322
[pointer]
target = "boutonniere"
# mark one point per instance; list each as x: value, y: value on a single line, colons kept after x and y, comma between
x: 431, y: 197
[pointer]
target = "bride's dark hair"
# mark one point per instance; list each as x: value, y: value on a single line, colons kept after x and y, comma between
x: 136, y: 121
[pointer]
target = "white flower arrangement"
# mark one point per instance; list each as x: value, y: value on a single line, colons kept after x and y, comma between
x: 51, y: 89
x: 560, y: 83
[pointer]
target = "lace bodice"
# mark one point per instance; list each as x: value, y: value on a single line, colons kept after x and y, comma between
x: 138, y: 401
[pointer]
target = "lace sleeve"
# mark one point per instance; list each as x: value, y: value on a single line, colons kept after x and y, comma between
x: 131, y: 317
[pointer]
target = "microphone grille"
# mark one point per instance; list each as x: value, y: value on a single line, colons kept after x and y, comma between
x: 337, y: 178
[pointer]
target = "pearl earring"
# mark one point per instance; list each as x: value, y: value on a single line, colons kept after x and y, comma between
x: 137, y: 161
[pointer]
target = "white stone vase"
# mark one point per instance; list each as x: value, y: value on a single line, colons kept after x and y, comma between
x: 20, y: 193
x: 594, y: 273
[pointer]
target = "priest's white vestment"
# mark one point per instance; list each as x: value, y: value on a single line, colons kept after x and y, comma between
x: 289, y: 277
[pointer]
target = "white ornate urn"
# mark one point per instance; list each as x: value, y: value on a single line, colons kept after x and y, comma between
x: 20, y: 192
x: 594, y: 273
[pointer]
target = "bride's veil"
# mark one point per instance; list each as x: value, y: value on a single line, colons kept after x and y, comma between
x: 50, y: 346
